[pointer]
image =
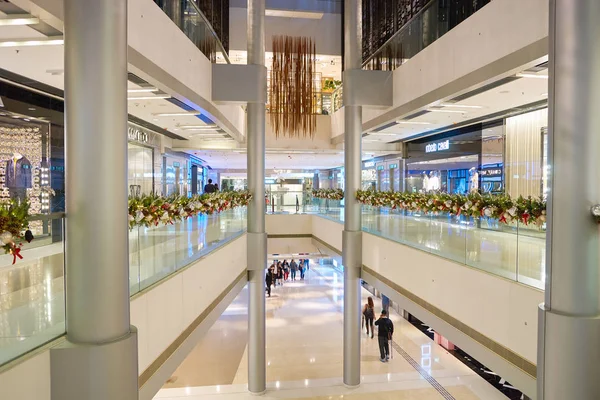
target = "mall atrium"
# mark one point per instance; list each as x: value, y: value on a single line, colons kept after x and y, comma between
x: 299, y: 199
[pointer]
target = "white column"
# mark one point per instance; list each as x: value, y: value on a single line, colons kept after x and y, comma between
x: 99, y: 359
x: 257, y: 237
x: 569, y: 328
x: 352, y: 237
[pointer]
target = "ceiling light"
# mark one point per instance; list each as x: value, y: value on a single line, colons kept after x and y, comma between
x: 186, y: 127
x: 15, y: 19
x: 51, y: 41
x: 178, y: 114
x: 414, y: 122
x: 532, y: 76
x: 544, y: 94
x: 146, y: 90
x: 446, y: 111
x: 460, y: 106
x: 159, y: 97
x: 294, y: 14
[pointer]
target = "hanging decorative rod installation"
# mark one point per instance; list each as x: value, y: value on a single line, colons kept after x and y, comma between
x: 292, y: 94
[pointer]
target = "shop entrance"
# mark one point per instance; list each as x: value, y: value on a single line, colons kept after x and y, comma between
x: 456, y: 175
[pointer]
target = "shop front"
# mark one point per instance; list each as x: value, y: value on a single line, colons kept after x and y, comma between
x: 448, y: 163
x: 143, y: 160
x: 175, y: 173
x: 369, y: 175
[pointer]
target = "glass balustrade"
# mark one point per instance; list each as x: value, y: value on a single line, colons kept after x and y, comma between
x: 188, y: 17
x: 32, y: 291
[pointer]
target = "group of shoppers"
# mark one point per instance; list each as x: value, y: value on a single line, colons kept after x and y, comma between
x: 282, y: 271
x: 385, y: 328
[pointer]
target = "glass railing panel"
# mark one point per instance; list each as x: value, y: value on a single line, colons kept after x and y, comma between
x: 531, y: 261
x: 492, y: 247
x: 157, y: 252
x: 188, y: 17
x: 513, y: 251
x: 32, y: 291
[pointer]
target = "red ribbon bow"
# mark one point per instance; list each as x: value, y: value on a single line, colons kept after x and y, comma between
x: 16, y: 252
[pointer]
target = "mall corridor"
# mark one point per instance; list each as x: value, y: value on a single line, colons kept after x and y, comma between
x: 304, y: 354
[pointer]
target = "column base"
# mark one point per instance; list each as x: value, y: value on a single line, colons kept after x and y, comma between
x: 351, y: 386
x: 95, y: 372
x: 568, y: 356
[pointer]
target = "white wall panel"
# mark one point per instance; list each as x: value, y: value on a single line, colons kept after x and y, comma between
x: 289, y: 224
x: 163, y: 312
x: 30, y: 380
x: 503, y: 310
x: 328, y: 231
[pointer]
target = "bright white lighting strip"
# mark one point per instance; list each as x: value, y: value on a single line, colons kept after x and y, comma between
x: 414, y: 122
x: 51, y: 41
x: 532, y: 76
x: 446, y: 111
x: 147, y: 90
x: 460, y: 106
x: 13, y: 20
x: 159, y: 97
x: 198, y: 127
x: 178, y: 114
x: 293, y: 14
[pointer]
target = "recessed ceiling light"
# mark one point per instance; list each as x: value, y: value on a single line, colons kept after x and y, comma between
x: 460, y: 106
x: 18, y: 19
x: 159, y: 97
x: 544, y: 94
x: 50, y: 41
x: 293, y: 14
x: 414, y: 122
x: 532, y: 76
x: 178, y: 114
x: 446, y: 111
x: 31, y: 109
x: 145, y: 90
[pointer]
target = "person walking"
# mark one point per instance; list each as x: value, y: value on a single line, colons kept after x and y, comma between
x: 293, y: 269
x: 269, y: 278
x: 384, y: 335
x: 286, y: 270
x: 209, y: 187
x: 301, y: 269
x: 280, y: 273
x: 369, y: 315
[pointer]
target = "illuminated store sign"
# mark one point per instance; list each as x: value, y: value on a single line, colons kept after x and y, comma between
x: 440, y: 146
x: 380, y: 168
x: 392, y: 166
x: 369, y: 164
x: 136, y: 135
x: 491, y: 172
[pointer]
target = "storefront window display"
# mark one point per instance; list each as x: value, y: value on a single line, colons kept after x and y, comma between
x: 369, y: 175
x: 175, y: 169
x: 447, y: 163
x: 142, y: 167
x: 24, y: 167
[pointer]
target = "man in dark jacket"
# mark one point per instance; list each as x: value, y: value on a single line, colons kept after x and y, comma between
x: 209, y: 187
x: 385, y: 332
x: 269, y: 278
x: 293, y: 269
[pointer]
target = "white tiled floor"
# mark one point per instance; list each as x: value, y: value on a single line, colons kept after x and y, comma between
x: 304, y: 354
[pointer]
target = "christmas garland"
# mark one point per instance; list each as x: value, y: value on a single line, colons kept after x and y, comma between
x: 500, y: 207
x: 14, y: 220
x: 152, y: 210
x: 330, y: 194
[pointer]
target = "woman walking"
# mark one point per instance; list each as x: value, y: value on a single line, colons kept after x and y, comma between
x: 369, y: 315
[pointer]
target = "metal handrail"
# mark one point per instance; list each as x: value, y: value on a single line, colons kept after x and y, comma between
x: 225, y: 55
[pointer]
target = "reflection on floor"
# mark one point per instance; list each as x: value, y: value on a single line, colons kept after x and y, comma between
x: 304, y: 354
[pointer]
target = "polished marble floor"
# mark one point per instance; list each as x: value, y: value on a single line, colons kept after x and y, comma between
x: 32, y: 297
x: 304, y: 354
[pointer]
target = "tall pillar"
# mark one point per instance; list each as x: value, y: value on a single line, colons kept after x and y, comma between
x: 569, y: 323
x: 352, y: 237
x: 257, y: 237
x: 99, y: 358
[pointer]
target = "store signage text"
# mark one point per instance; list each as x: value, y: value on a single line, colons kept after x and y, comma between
x: 440, y: 146
x: 491, y: 172
x: 380, y: 168
x: 392, y: 166
x: 137, y: 135
x: 369, y: 164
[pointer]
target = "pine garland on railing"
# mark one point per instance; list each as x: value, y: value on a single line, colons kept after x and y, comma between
x: 14, y: 220
x: 152, y: 210
x: 330, y: 194
x: 501, y: 207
